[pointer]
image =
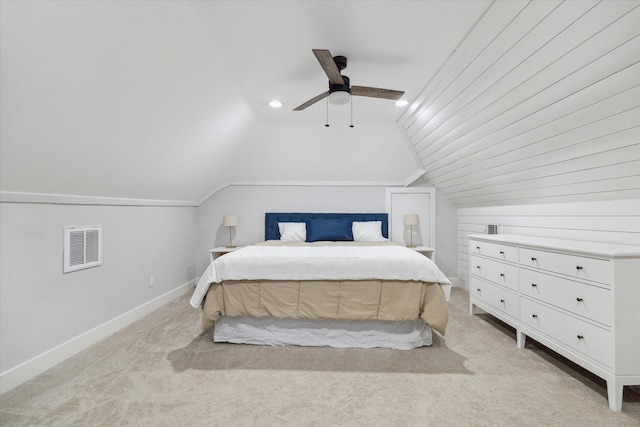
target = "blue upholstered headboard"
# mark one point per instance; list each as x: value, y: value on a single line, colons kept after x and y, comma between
x: 271, y: 220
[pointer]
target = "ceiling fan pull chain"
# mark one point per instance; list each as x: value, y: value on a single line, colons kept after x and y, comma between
x: 327, y: 122
x: 351, y: 125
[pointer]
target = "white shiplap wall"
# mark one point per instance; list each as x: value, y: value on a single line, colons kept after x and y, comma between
x: 534, y: 123
x: 615, y: 221
x: 539, y: 104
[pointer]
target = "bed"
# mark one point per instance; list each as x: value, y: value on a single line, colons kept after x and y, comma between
x: 330, y: 279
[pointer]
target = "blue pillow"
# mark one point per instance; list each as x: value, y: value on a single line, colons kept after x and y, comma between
x: 329, y: 230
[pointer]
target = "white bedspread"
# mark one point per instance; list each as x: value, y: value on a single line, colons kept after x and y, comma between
x: 320, y: 263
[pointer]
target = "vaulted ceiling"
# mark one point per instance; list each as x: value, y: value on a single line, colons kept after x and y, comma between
x: 169, y: 100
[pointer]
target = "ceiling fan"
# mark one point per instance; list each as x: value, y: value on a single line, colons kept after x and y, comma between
x: 340, y: 90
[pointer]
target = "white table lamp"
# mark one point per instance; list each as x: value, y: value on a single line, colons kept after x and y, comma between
x: 230, y: 221
x: 411, y: 220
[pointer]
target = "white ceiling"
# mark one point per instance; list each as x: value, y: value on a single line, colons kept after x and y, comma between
x: 512, y: 101
x: 167, y: 100
x: 389, y: 44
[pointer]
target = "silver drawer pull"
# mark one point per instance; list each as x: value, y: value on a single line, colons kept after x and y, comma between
x: 579, y: 299
x: 535, y: 316
x: 580, y: 337
x: 578, y: 267
x: 533, y: 285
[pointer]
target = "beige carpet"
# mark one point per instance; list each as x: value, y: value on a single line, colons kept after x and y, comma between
x: 161, y: 372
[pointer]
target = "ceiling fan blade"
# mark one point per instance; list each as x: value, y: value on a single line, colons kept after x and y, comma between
x: 311, y: 101
x: 376, y: 92
x: 328, y: 65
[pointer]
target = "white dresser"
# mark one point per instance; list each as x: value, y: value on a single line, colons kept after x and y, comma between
x: 580, y: 299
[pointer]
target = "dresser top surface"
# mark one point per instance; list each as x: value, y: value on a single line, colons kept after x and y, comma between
x: 577, y: 246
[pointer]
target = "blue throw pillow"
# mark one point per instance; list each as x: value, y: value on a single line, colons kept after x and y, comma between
x: 329, y: 230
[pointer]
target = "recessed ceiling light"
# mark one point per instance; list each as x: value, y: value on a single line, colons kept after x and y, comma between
x: 401, y: 102
x: 275, y: 104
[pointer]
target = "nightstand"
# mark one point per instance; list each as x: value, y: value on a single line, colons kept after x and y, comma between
x: 424, y: 250
x: 221, y: 250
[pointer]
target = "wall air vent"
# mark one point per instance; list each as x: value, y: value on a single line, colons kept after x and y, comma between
x: 82, y: 247
x: 492, y: 229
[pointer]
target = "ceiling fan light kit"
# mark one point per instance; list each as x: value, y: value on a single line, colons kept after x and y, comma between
x: 339, y: 97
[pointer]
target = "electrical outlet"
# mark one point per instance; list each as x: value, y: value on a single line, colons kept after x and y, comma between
x: 152, y: 281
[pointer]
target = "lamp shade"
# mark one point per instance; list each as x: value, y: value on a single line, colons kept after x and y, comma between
x: 411, y: 219
x: 230, y: 220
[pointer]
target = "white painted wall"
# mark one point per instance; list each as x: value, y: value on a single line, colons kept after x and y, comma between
x: 41, y: 308
x: 446, y: 230
x: 311, y: 152
x: 614, y: 221
x: 250, y: 202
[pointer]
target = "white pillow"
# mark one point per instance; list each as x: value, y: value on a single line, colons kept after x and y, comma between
x: 368, y: 231
x: 293, y: 231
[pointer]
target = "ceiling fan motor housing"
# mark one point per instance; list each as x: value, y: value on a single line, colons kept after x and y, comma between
x: 336, y: 87
x: 341, y: 62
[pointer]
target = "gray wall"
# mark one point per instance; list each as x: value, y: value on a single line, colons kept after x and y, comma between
x: 41, y: 308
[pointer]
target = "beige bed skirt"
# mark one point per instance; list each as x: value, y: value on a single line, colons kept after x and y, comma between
x: 391, y: 300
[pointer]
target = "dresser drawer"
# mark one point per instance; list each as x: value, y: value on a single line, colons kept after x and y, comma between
x: 496, y: 296
x: 494, y: 250
x: 597, y: 270
x: 585, y: 300
x: 581, y: 336
x: 495, y: 271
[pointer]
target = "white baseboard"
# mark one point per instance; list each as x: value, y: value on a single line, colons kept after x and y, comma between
x: 456, y: 282
x: 29, y: 369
